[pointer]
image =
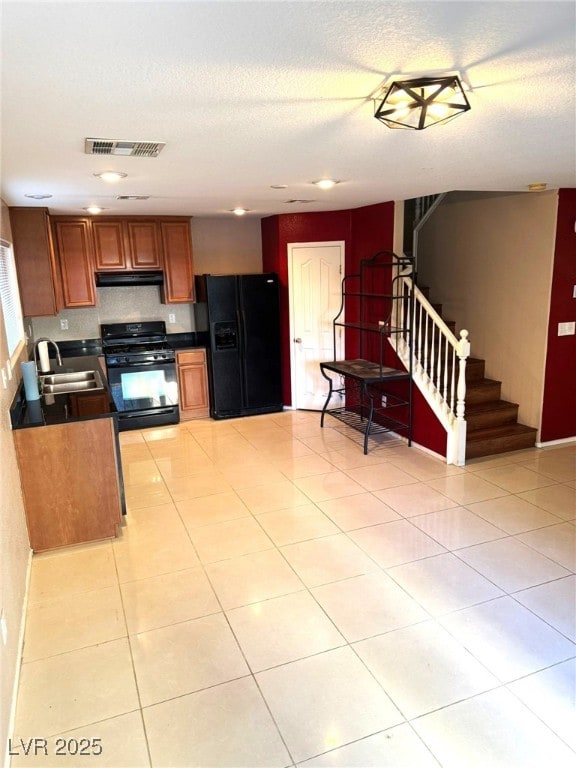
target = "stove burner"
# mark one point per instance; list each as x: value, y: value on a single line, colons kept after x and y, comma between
x: 136, y: 348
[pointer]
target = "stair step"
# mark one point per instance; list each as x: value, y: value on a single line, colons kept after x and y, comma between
x: 482, y: 391
x: 490, y: 414
x: 474, y: 369
x: 492, y: 440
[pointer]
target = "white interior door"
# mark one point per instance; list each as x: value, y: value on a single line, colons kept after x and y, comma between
x: 315, y: 276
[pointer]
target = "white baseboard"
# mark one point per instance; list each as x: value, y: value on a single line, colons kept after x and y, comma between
x: 549, y: 443
x: 429, y: 451
x: 12, y: 718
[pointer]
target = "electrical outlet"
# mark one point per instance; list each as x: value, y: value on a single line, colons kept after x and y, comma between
x: 63, y: 325
x: 384, y: 401
x: 171, y: 318
x: 567, y: 329
x: 3, y: 628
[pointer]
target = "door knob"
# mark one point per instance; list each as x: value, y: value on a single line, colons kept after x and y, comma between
x: 298, y: 340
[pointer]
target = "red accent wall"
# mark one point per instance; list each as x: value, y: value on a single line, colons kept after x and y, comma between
x: 277, y: 232
x: 559, y: 406
x: 365, y: 231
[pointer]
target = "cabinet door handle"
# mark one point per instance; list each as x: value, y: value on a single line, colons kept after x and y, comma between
x: 298, y: 340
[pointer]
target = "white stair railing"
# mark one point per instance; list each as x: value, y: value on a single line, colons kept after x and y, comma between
x: 438, y: 362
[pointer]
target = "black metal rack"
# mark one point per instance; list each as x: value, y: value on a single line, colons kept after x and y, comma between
x: 382, y: 310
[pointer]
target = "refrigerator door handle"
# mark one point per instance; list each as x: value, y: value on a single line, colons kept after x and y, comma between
x: 243, y: 329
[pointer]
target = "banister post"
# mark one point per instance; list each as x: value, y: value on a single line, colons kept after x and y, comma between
x: 463, y: 352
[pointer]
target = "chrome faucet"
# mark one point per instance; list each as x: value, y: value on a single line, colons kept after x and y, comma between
x: 45, y: 338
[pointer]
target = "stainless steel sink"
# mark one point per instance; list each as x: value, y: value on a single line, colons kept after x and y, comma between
x: 63, y: 383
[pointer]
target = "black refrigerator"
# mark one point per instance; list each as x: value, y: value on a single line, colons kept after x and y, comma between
x: 241, y: 314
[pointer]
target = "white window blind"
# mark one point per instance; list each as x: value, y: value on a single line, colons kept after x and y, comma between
x: 10, y: 297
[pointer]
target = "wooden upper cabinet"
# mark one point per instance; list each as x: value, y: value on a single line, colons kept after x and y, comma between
x: 109, y: 251
x: 178, y: 267
x: 74, y: 249
x: 144, y: 240
x: 38, y: 275
x: 126, y: 244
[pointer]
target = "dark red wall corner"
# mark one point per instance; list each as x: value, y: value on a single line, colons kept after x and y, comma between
x: 373, y: 231
x: 277, y: 232
x: 365, y: 231
x: 426, y: 429
x: 559, y: 402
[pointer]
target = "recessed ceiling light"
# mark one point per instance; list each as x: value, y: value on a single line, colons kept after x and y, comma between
x: 538, y: 187
x: 278, y: 186
x: 111, y: 176
x: 38, y: 197
x: 94, y: 209
x: 326, y: 183
x: 240, y: 211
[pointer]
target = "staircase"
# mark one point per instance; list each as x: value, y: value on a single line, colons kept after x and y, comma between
x: 477, y: 421
x: 492, y: 423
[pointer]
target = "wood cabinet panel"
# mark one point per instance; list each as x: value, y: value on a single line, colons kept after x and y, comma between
x: 87, y: 404
x: 109, y: 252
x: 75, y: 257
x: 126, y: 244
x: 144, y: 241
x: 178, y: 265
x: 38, y: 276
x: 70, y: 484
x: 192, y: 384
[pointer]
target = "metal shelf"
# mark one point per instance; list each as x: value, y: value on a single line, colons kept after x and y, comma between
x: 363, y: 382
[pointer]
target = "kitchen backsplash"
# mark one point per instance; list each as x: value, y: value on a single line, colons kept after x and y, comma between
x: 115, y: 305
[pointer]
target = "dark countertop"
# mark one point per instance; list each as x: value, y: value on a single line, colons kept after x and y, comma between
x: 60, y: 409
x: 90, y: 347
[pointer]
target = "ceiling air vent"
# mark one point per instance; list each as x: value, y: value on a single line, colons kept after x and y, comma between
x: 123, y: 148
x: 132, y: 197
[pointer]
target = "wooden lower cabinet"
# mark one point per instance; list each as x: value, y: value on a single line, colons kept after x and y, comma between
x: 70, y: 482
x: 192, y: 384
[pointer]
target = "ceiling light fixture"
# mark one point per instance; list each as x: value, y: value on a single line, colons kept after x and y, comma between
x: 326, y: 183
x: 419, y: 103
x: 111, y: 176
x: 94, y: 209
x: 38, y: 196
x: 239, y: 211
x: 539, y: 186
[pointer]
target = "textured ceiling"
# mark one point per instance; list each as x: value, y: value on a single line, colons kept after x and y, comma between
x: 251, y: 94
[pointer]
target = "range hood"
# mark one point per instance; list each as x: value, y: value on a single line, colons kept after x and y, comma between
x: 123, y: 279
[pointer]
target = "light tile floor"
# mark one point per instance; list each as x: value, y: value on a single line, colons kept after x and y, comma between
x: 276, y: 598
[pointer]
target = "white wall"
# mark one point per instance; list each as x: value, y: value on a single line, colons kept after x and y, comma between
x: 488, y: 258
x: 219, y: 246
x: 14, y: 548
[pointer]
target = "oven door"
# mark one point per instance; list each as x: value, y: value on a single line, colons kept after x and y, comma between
x: 145, y: 394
